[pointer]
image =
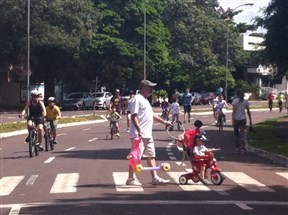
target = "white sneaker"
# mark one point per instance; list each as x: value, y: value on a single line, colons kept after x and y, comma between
x: 133, y: 182
x: 128, y: 130
x: 158, y: 180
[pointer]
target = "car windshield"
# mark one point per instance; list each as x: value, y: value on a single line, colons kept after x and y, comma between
x: 75, y: 96
x: 97, y: 95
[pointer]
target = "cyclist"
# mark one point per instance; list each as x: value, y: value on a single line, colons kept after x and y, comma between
x: 38, y: 112
x: 53, y: 114
x: 220, y: 107
x: 114, y: 118
x: 281, y: 100
x: 174, y: 108
x: 165, y: 106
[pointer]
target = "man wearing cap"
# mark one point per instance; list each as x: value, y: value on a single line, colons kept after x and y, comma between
x: 142, y: 118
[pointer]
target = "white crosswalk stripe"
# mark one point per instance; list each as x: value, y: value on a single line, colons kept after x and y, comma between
x: 8, y: 184
x: 247, y: 182
x: 190, y: 186
x: 65, y: 183
x: 120, y: 183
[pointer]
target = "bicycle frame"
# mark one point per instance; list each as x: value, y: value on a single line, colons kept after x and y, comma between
x: 48, y: 135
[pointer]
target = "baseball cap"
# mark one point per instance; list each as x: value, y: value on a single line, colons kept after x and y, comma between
x: 117, y: 90
x: 147, y: 83
x: 201, y: 137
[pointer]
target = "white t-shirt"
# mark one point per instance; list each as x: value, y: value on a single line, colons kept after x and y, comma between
x: 174, y: 107
x: 144, y: 111
x: 240, y: 113
x: 220, y: 105
x: 200, y: 150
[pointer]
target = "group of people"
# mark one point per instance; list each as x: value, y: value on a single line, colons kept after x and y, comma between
x: 38, y: 113
x: 140, y: 119
x: 281, y: 101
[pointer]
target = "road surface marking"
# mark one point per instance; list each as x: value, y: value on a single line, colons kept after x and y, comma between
x: 283, y: 174
x: 49, y: 160
x: 86, y: 129
x: 8, y: 184
x: 190, y: 186
x: 91, y: 140
x: 58, y: 135
x: 65, y: 183
x: 120, y: 183
x: 31, y: 180
x: 243, y: 206
x: 247, y: 182
x: 69, y: 149
x: 15, y: 210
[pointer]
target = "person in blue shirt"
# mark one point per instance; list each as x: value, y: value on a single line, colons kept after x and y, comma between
x: 187, y: 102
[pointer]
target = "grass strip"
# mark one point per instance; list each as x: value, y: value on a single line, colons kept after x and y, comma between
x: 271, y: 135
x: 14, y: 126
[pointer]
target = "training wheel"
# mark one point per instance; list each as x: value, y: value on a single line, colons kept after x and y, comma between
x: 139, y: 168
x: 166, y: 167
x: 183, y: 179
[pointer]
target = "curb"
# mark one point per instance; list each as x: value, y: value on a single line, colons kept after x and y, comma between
x: 279, y: 159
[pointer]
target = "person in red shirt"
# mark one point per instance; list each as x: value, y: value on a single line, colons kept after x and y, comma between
x: 270, y: 101
x: 187, y: 140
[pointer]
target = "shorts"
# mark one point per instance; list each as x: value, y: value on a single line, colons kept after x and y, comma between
x: 37, y: 121
x: 187, y: 108
x: 149, y: 147
x: 53, y: 124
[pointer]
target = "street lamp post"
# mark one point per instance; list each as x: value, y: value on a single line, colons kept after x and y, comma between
x: 144, y: 48
x: 28, y: 48
x: 227, y: 44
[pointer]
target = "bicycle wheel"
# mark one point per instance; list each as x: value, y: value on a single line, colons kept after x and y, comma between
x: 51, y: 141
x: 32, y: 143
x: 220, y: 122
x: 47, y: 137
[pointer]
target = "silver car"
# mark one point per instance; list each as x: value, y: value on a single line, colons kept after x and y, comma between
x: 78, y: 101
x: 102, y: 99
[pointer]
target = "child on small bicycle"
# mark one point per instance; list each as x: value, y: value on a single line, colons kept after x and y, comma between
x: 164, y: 106
x: 174, y: 108
x: 220, y: 108
x: 114, y: 118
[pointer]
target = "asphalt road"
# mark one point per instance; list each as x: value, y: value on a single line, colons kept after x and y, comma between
x: 86, y: 173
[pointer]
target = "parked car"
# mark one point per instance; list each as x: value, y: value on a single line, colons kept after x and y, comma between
x: 196, y: 100
x: 102, y: 99
x: 78, y: 101
x: 207, y: 98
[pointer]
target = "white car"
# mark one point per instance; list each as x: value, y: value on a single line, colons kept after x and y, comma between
x: 78, y: 101
x: 102, y: 99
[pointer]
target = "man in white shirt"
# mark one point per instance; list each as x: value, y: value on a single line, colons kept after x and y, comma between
x: 142, y: 119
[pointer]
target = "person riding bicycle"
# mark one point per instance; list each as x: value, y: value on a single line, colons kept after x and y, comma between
x: 114, y: 118
x: 53, y: 114
x: 281, y: 100
x: 36, y: 111
x: 174, y: 108
x: 220, y: 108
x: 165, y: 106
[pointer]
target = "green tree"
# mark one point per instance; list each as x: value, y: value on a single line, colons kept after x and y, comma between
x: 275, y: 20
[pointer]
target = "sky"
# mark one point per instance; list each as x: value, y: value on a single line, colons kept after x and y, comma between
x: 249, y: 12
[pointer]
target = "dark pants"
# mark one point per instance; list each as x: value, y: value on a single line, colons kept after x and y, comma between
x: 240, y: 135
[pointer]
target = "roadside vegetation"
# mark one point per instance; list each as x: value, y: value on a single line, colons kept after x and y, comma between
x: 14, y: 126
x: 271, y: 135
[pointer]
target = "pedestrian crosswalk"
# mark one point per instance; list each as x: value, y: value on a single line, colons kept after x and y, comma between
x: 68, y: 183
